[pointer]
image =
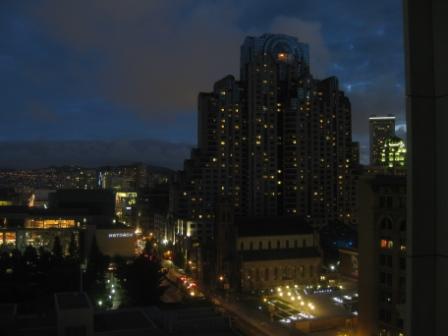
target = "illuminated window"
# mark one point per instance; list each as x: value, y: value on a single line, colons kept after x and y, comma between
x: 386, y: 244
x: 49, y: 223
x: 282, y: 56
x: 10, y: 238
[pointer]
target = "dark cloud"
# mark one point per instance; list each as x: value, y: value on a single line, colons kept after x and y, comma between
x: 104, y: 69
x: 157, y: 55
x: 377, y: 96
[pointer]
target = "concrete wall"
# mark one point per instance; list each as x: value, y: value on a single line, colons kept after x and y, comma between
x: 114, y: 242
x: 298, y: 271
x: 426, y: 43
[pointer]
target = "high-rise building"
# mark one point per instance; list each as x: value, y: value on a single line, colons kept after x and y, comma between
x: 393, y: 154
x: 355, y: 154
x: 380, y: 129
x: 277, y: 142
x: 382, y: 255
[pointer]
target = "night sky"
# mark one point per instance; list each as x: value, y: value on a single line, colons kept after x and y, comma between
x: 109, y: 81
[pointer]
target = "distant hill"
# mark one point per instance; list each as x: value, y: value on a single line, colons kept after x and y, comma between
x: 38, y: 154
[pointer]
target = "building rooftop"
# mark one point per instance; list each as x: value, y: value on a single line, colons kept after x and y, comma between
x: 271, y: 226
x: 197, y: 318
x: 389, y: 117
x: 7, y: 310
x: 68, y: 301
x: 280, y: 254
x: 132, y: 319
x: 40, y: 212
x: 37, y: 325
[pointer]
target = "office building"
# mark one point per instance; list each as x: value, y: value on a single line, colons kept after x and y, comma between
x: 382, y: 255
x: 393, y: 154
x: 98, y: 203
x: 22, y: 226
x: 381, y: 128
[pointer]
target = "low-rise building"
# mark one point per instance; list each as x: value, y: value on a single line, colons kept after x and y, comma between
x: 256, y: 253
x: 116, y: 240
x: 75, y: 315
x: 24, y: 226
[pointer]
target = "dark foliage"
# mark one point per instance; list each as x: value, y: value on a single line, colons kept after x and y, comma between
x: 73, y: 250
x: 94, y: 278
x: 32, y: 278
x: 57, y: 249
x: 141, y: 279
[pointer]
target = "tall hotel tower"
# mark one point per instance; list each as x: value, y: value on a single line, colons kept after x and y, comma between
x: 275, y: 143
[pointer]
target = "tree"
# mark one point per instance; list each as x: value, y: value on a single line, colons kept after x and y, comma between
x: 16, y: 263
x: 44, y: 263
x: 4, y: 262
x: 141, y: 280
x: 30, y: 256
x: 149, y: 248
x: 180, y: 259
x: 57, y: 249
x: 94, y: 280
x: 73, y: 248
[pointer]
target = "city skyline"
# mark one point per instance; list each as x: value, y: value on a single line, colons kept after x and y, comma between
x: 225, y: 167
x: 116, y: 100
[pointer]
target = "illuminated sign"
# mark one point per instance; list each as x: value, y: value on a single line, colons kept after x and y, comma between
x: 121, y: 235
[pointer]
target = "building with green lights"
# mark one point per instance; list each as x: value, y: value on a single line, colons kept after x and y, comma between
x: 393, y: 153
x: 380, y: 129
